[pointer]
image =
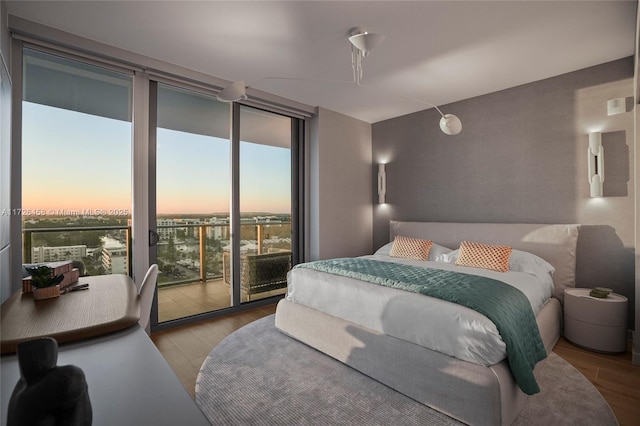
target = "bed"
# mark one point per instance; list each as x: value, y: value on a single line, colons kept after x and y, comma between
x: 462, y: 372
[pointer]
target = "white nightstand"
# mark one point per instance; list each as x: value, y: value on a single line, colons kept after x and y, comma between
x: 593, y: 323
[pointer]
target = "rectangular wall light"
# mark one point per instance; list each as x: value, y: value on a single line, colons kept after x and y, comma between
x: 616, y: 106
x: 595, y: 158
x: 382, y: 183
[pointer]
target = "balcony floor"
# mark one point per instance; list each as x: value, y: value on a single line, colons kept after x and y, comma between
x: 179, y: 301
x: 184, y: 300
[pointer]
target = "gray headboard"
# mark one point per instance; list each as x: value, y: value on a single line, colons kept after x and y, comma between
x: 554, y: 243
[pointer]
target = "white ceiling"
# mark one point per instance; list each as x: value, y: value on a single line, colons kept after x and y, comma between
x: 435, y: 51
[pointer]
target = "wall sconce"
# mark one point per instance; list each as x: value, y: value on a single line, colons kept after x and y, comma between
x: 595, y: 157
x: 616, y: 106
x: 382, y: 183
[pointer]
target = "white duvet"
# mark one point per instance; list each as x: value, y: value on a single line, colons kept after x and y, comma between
x: 433, y: 323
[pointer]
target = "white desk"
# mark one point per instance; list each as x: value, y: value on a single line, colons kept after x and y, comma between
x: 130, y: 383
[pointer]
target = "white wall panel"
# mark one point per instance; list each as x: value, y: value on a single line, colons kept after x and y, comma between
x: 341, y: 192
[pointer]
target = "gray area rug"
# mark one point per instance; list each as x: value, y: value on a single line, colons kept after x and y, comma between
x: 259, y: 376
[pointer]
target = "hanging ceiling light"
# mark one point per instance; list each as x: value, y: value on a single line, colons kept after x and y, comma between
x: 450, y: 124
x: 362, y: 42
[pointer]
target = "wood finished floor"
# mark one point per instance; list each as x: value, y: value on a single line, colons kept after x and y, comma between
x: 181, y: 301
x: 186, y: 348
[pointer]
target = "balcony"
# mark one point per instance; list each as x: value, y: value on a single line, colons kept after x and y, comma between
x: 194, y: 277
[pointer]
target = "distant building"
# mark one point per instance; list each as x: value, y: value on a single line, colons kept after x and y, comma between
x: 192, y: 231
x: 218, y: 229
x: 54, y: 254
x: 115, y: 256
x: 166, y: 233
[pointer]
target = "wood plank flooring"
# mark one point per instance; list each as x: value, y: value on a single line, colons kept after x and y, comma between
x: 181, y: 301
x: 190, y: 299
x: 186, y: 348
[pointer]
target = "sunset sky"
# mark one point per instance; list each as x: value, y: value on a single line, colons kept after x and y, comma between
x: 77, y: 161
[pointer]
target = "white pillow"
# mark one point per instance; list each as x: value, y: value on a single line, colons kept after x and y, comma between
x: 523, y: 261
x: 520, y: 261
x: 385, y: 250
x: 436, y: 251
x: 450, y: 257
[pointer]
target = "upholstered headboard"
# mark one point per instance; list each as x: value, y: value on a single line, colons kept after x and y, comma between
x: 554, y: 243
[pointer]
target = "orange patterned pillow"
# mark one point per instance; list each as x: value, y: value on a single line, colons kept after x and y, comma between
x: 485, y: 256
x: 411, y: 248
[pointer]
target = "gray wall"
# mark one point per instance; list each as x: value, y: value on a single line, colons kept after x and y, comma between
x: 522, y: 157
x: 340, y: 191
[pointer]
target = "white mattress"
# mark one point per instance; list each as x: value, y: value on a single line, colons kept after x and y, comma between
x: 433, y: 323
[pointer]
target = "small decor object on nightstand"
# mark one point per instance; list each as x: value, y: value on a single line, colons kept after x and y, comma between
x: 600, y: 292
x: 45, y: 393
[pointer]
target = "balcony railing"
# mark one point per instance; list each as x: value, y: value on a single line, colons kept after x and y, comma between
x: 27, y: 241
x: 186, y: 253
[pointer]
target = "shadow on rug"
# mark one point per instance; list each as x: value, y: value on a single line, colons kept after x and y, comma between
x: 260, y: 376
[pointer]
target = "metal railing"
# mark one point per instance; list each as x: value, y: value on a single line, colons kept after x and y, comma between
x: 205, y: 270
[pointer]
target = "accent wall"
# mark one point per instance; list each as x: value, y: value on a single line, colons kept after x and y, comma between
x: 522, y: 158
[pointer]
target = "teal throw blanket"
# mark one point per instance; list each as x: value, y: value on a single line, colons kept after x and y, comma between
x: 503, y: 304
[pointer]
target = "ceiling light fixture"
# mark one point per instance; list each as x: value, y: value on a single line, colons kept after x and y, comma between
x: 362, y: 42
x: 450, y: 124
x: 236, y: 91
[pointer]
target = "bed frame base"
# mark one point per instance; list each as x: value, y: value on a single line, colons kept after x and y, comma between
x: 471, y: 393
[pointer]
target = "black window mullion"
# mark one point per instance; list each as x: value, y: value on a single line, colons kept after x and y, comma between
x: 235, y: 204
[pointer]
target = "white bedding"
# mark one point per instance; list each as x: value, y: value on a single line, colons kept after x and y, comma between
x: 433, y: 323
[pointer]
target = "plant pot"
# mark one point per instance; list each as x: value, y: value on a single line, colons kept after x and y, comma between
x: 46, y: 292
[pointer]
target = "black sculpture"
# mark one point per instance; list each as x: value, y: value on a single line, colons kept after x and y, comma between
x: 47, y: 394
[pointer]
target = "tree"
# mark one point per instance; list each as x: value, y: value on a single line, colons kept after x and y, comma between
x: 171, y: 250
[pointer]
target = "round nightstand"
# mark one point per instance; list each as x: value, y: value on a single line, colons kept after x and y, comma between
x: 593, y: 323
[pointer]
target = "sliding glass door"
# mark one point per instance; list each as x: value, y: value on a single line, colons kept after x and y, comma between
x: 192, y: 189
x: 198, y: 170
x: 265, y: 203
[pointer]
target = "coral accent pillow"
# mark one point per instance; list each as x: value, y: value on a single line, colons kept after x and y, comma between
x: 411, y: 248
x: 484, y: 256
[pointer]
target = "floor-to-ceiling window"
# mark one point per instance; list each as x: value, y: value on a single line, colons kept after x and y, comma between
x: 193, y: 184
x: 80, y: 162
x: 265, y: 203
x: 196, y: 178
x: 76, y: 163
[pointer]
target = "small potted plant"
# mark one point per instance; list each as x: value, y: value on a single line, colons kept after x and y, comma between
x: 45, y: 285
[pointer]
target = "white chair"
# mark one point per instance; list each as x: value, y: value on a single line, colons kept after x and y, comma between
x: 145, y: 297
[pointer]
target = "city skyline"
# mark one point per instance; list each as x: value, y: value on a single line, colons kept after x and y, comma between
x: 193, y: 171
